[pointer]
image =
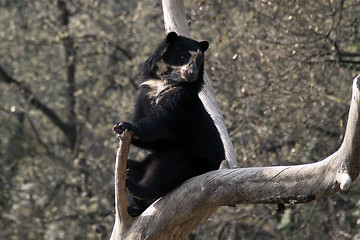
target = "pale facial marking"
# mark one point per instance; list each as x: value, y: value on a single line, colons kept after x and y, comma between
x: 194, y: 55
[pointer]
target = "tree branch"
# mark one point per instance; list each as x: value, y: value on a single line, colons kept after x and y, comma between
x: 70, y: 62
x: 122, y: 217
x: 176, y: 214
x: 346, y: 57
x: 29, y: 95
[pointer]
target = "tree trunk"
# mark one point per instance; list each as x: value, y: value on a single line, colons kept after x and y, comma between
x: 179, y: 212
x: 70, y: 63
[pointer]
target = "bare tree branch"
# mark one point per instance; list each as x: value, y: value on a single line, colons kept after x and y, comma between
x: 176, y: 214
x: 122, y: 218
x: 70, y: 62
x: 29, y: 95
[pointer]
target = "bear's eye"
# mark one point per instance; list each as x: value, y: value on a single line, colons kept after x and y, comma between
x: 182, y: 57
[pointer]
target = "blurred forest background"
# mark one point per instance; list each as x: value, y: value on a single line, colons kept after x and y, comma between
x: 282, y: 71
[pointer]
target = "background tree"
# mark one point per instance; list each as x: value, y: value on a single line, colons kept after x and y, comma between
x: 282, y: 72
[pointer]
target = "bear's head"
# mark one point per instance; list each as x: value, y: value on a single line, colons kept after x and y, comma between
x: 183, y: 59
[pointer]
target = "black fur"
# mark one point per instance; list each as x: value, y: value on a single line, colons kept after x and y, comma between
x: 171, y: 121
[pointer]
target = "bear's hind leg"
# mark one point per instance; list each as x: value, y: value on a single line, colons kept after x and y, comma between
x: 135, y: 170
x: 135, y: 206
x: 164, y: 171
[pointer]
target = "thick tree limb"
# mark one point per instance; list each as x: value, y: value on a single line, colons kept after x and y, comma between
x: 176, y: 214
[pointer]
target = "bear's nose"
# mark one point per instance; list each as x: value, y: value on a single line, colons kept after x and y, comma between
x: 192, y: 68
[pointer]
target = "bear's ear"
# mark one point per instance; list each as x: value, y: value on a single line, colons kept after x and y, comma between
x: 204, y: 45
x: 171, y: 37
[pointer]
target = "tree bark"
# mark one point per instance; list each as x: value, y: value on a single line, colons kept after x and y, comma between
x: 179, y: 212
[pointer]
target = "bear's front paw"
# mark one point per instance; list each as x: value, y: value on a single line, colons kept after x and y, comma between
x: 120, y: 127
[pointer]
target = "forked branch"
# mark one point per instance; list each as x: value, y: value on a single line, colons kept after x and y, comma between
x: 179, y: 212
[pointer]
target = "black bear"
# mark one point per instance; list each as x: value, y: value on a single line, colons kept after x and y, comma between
x: 170, y: 120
